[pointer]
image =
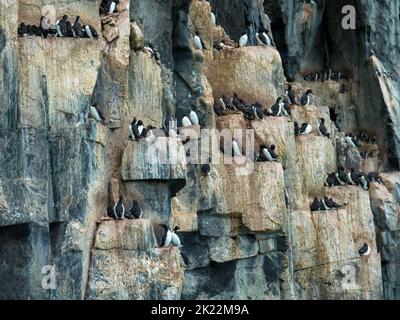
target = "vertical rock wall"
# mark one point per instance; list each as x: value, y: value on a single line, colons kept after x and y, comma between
x: 241, y: 238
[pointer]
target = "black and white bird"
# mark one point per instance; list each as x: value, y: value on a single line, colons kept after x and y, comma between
x: 305, y: 129
x: 198, y: 42
x: 296, y: 129
x: 111, y: 6
x: 119, y: 209
x: 186, y: 122
x: 330, y: 180
x: 219, y: 110
x: 165, y: 234
x: 305, y: 98
x: 96, y: 113
x: 322, y: 128
x: 352, y: 177
x: 258, y: 111
x: 136, y: 129
x: 237, y: 102
x: 175, y: 241
x: 351, y: 140
x: 90, y: 32
x: 331, y: 203
x: 135, y: 212
x: 316, y: 205
x: 374, y: 177
x: 77, y: 28
x: 22, y: 30
x: 61, y: 26
x: 224, y: 102
x: 243, y: 40
x: 276, y: 109
x: 290, y: 94
x: 341, y: 176
x: 324, y: 205
x: 70, y: 31
x: 170, y: 126
x: 194, y: 119
x: 363, y: 182
x: 262, y: 38
x: 268, y: 153
x: 110, y: 212
x: 206, y: 168
x: 364, y: 250
x: 213, y: 19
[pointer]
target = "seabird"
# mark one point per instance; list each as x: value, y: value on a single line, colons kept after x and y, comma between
x: 324, y: 205
x: 119, y: 209
x: 206, y: 169
x: 258, y: 111
x: 136, y: 129
x: 96, y: 113
x: 322, y: 129
x: 276, y: 109
x: 341, y: 176
x: 22, y: 30
x: 111, y: 6
x: 330, y: 180
x: 170, y: 126
x: 224, y: 101
x: 316, y: 205
x: 166, y: 236
x: 331, y: 203
x: 186, y: 122
x: 77, y: 28
x: 263, y: 39
x: 135, y: 211
x: 175, y: 241
x: 373, y: 177
x: 91, y: 32
x: 61, y: 27
x: 364, y: 250
x: 219, y: 111
x: 351, y: 140
x: 269, y: 153
x: 305, y: 129
x: 70, y: 31
x: 352, y: 177
x: 193, y: 118
x: 305, y: 98
x: 213, y: 19
x: 243, y: 40
x: 291, y: 95
x: 198, y: 42
x: 296, y: 129
x: 237, y: 102
x: 363, y: 182
x: 110, y: 212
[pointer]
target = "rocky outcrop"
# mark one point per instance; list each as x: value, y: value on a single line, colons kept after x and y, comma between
x: 246, y: 228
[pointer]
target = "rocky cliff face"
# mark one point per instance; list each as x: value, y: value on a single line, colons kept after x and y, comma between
x: 245, y: 236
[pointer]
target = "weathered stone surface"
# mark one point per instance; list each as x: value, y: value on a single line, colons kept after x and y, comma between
x: 136, y: 37
x: 51, y: 86
x: 252, y: 278
x: 125, y: 235
x: 224, y: 249
x: 162, y: 159
x: 341, y: 280
x: 145, y: 89
x: 225, y: 73
x: 128, y: 275
x: 259, y: 211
